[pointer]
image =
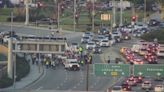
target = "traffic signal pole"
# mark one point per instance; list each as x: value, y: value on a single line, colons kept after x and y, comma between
x: 74, y: 15
x: 121, y: 11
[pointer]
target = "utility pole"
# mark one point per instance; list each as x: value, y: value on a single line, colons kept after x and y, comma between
x: 27, y: 12
x: 121, y: 10
x: 114, y: 13
x: 58, y: 16
x: 93, y: 14
x: 74, y: 15
x: 87, y: 78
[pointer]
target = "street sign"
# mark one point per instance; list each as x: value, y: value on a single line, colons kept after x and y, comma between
x: 105, y: 17
x: 151, y: 70
x: 112, y: 69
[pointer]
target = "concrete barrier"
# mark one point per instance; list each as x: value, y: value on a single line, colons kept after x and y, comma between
x: 4, y: 50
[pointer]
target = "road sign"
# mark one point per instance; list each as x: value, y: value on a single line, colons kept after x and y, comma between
x: 112, y: 69
x: 152, y: 70
x: 105, y: 17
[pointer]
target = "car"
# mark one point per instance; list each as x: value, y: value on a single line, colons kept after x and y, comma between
x: 153, y: 22
x: 71, y: 64
x: 90, y: 34
x: 138, y: 79
x: 159, y: 88
x: 85, y: 39
x: 97, y: 42
x: 46, y: 21
x: 105, y: 43
x: 138, y: 61
x: 140, y: 25
x: 152, y: 59
x: 115, y: 89
x: 131, y: 81
x: 90, y: 45
x: 146, y: 85
x: 126, y: 87
x: 142, y: 51
x: 97, y: 49
x: 101, y: 37
x: 103, y: 30
x: 126, y: 36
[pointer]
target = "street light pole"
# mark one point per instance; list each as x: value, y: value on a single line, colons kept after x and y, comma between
x: 114, y: 13
x: 74, y: 13
x: 87, y: 78
x: 93, y: 14
x: 58, y: 16
x: 27, y: 12
x: 121, y: 6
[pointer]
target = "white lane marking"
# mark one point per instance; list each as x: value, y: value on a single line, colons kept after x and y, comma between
x: 39, y: 88
x: 74, y: 87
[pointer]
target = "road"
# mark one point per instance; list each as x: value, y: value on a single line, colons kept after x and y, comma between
x: 60, y: 79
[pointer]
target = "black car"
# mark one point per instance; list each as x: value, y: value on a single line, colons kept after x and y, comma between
x: 97, y: 50
x: 153, y: 22
x: 103, y: 31
x: 126, y: 87
x: 48, y: 21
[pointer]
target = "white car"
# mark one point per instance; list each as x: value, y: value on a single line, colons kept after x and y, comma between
x: 146, y: 85
x: 85, y: 39
x: 140, y: 25
x: 71, y: 64
x: 159, y: 88
x: 104, y: 43
x: 88, y: 34
x: 90, y: 45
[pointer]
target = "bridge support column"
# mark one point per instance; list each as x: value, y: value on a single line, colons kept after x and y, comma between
x: 10, y: 59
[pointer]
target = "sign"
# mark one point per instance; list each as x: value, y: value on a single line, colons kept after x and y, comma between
x: 112, y: 69
x: 105, y: 17
x: 149, y: 70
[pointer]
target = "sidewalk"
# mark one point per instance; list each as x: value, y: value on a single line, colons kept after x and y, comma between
x: 32, y: 77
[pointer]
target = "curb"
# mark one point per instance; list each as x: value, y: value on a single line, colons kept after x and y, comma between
x: 28, y: 85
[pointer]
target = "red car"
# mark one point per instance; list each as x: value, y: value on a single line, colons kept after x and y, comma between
x: 126, y: 87
x: 152, y: 59
x: 138, y: 79
x: 131, y: 81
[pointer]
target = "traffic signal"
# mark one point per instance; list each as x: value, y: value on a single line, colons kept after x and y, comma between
x: 134, y: 18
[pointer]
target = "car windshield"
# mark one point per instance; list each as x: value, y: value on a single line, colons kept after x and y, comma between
x: 90, y: 43
x: 73, y: 62
x: 85, y: 37
x: 116, y: 88
x: 105, y: 41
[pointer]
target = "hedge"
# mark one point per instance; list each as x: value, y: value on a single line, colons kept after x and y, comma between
x: 159, y: 34
x: 22, y: 70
